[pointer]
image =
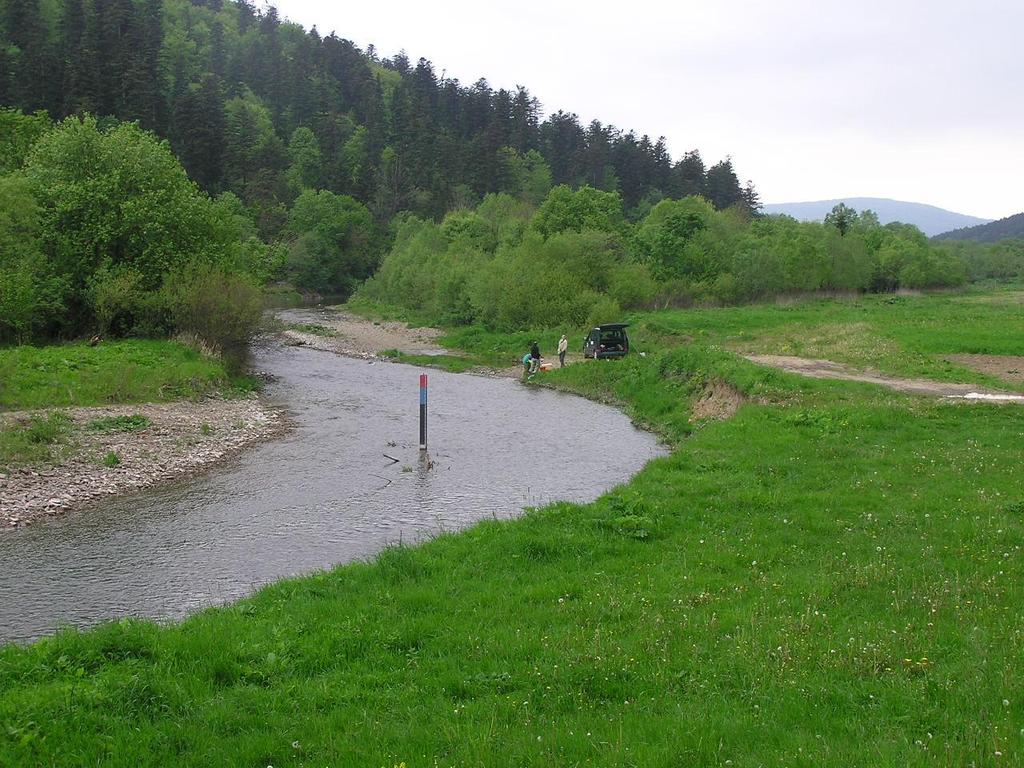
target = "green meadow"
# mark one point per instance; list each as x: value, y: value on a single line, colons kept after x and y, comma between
x: 832, y: 576
x: 899, y: 335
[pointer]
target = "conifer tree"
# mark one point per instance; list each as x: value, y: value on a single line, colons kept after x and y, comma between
x: 33, y: 72
x: 723, y: 187
x: 690, y: 175
x: 179, y: 71
x: 199, y: 130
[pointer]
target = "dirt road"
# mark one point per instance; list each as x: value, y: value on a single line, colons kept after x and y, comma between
x: 826, y: 369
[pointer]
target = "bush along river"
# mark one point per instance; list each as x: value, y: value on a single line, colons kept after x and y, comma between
x: 324, y: 494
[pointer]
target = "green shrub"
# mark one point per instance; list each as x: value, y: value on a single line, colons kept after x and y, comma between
x: 220, y: 307
x: 123, y: 307
x: 726, y: 289
x: 18, y: 302
x: 32, y: 298
x: 632, y: 286
x: 32, y: 440
x: 108, y: 213
x: 333, y: 242
x: 603, y: 310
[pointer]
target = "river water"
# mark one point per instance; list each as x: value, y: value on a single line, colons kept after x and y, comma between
x: 322, y: 495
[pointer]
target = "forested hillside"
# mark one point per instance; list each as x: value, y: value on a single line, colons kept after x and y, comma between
x: 319, y: 165
x: 993, y: 232
x: 263, y: 108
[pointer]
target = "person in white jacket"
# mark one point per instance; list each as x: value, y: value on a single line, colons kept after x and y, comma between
x: 563, y: 346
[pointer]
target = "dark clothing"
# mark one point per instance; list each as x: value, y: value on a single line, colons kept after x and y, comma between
x: 561, y: 359
x: 535, y: 352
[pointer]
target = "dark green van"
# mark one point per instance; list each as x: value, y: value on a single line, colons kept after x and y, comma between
x: 609, y: 340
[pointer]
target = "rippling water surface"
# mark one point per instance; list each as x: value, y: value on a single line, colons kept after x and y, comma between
x: 324, y: 494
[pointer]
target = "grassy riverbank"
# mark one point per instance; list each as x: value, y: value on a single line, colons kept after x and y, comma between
x: 833, y: 576
x: 900, y: 335
x: 44, y: 378
x: 126, y: 371
x: 906, y: 336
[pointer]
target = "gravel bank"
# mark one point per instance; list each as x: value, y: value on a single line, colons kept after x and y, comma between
x: 183, y: 438
x: 355, y: 336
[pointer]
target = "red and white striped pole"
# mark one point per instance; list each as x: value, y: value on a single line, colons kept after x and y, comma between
x: 423, y: 412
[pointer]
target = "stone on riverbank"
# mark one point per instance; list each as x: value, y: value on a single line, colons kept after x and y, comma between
x: 181, y: 438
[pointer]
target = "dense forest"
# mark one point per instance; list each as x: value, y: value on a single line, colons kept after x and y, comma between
x: 162, y: 161
x: 993, y: 232
x: 263, y: 108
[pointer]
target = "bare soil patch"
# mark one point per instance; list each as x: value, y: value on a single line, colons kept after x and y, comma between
x: 718, y: 401
x: 826, y: 369
x: 1007, y: 367
x: 183, y: 438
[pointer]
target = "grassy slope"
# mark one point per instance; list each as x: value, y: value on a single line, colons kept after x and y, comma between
x: 832, y: 577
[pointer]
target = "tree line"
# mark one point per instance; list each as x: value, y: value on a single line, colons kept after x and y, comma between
x: 262, y: 108
x: 101, y: 230
x: 577, y: 260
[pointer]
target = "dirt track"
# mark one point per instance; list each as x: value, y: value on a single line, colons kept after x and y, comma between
x: 826, y: 369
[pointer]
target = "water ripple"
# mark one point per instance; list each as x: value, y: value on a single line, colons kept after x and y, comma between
x: 323, y: 495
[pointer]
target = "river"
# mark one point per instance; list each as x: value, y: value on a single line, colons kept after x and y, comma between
x: 323, y: 494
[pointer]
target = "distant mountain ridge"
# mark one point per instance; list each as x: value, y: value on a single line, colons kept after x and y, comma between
x: 928, y: 218
x: 994, y: 231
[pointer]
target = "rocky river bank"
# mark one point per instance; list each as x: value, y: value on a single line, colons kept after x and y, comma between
x: 118, y: 449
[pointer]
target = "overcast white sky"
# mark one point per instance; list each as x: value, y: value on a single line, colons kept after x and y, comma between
x: 814, y: 99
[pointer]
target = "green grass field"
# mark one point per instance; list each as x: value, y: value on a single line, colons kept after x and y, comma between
x: 900, y: 335
x: 127, y: 371
x: 833, y: 576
